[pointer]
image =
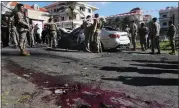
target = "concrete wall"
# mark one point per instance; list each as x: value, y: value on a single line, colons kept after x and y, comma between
x: 34, y: 14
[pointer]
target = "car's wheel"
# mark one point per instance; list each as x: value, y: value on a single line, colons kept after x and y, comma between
x: 113, y: 50
x: 128, y: 48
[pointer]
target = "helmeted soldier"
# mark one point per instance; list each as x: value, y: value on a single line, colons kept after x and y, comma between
x: 171, y: 34
x: 52, y: 29
x: 143, y: 31
x: 22, y: 28
x: 154, y: 34
x: 133, y: 31
x: 88, y: 32
x: 96, y: 29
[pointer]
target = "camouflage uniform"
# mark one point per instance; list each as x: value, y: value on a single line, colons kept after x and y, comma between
x: 52, y: 28
x: 96, y: 35
x: 171, y: 33
x: 133, y: 31
x: 22, y: 28
x: 143, y: 31
x: 154, y: 33
x: 88, y: 32
x: 14, y: 33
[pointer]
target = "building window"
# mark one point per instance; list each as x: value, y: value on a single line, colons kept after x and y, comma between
x: 82, y: 9
x: 164, y: 24
x: 164, y: 16
x: 89, y: 10
x: 62, y: 18
x: 56, y: 20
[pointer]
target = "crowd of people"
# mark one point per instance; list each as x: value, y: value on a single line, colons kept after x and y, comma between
x: 150, y: 36
x: 20, y: 31
x: 23, y: 31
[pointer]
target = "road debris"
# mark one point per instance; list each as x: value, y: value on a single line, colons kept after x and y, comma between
x: 46, y: 82
x: 85, y: 68
x: 25, y: 75
x: 60, y: 91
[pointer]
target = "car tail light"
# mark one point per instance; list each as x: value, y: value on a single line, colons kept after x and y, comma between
x: 114, y: 36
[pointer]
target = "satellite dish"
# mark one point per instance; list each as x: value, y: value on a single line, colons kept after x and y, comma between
x: 36, y: 7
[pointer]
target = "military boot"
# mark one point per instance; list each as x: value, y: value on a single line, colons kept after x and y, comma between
x: 25, y: 53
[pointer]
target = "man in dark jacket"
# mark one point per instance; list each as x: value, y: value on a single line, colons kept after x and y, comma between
x: 4, y: 30
x: 143, y: 31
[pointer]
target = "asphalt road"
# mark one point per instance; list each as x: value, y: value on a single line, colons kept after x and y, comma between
x: 135, y: 79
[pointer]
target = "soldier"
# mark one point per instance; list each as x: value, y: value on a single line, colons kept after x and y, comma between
x: 103, y: 21
x: 31, y: 34
x: 143, y: 31
x: 52, y: 28
x: 133, y: 31
x: 96, y: 27
x: 171, y: 34
x: 87, y: 31
x: 127, y: 29
x: 117, y: 28
x: 4, y: 30
x: 154, y: 35
x: 37, y: 33
x: 22, y: 28
x: 14, y: 33
x: 44, y: 35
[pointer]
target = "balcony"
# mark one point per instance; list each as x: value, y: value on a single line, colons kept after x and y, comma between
x: 164, y: 18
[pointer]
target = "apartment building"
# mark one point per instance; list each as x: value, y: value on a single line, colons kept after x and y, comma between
x: 81, y: 10
x: 135, y: 14
x: 170, y: 13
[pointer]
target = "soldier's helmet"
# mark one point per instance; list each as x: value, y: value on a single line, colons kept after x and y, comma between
x: 154, y: 19
x: 88, y: 16
x: 170, y: 22
x: 96, y: 15
x: 102, y: 19
x: 19, y: 5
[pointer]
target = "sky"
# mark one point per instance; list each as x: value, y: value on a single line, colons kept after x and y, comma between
x: 113, y: 8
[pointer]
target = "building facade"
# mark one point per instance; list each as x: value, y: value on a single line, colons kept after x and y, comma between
x: 38, y: 15
x: 61, y: 14
x: 135, y: 14
x: 170, y: 13
x: 34, y: 12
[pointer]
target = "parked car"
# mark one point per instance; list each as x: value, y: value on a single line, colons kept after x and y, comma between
x: 113, y: 39
x: 73, y: 40
x: 110, y: 39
